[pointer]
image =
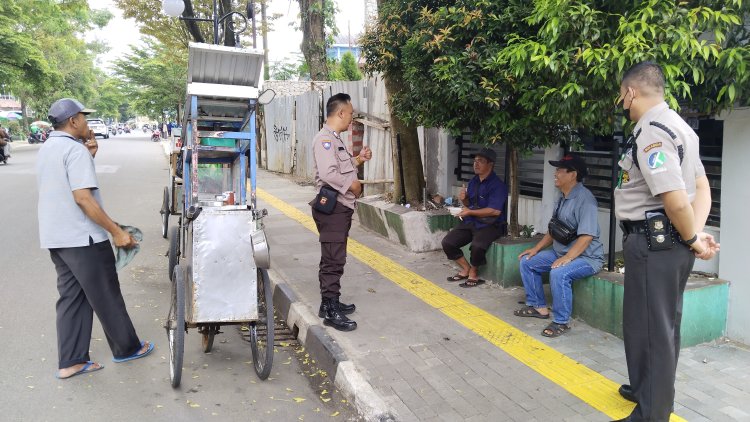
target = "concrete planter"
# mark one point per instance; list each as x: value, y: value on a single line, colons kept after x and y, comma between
x: 419, y: 231
x: 502, y: 261
x: 597, y: 300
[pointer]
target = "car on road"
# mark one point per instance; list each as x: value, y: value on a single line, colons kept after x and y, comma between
x: 99, y: 128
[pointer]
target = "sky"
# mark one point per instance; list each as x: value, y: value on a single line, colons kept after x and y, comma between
x: 283, y: 41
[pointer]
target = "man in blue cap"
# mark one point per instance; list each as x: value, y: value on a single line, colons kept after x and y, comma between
x: 74, y: 226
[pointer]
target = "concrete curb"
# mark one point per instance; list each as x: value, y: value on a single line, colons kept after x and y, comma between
x: 327, y: 352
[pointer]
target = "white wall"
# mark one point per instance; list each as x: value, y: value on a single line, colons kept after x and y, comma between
x: 735, y: 195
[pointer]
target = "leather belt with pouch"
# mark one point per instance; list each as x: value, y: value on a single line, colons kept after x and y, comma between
x: 659, y: 231
x: 660, y: 234
x: 326, y: 199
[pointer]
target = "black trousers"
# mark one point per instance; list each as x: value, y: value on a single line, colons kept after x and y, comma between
x: 334, y: 232
x: 88, y: 283
x: 652, y: 313
x: 480, y: 239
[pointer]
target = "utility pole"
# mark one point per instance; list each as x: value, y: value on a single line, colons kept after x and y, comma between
x: 264, y: 34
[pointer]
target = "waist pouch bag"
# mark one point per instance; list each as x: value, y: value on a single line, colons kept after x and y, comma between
x: 659, y: 232
x: 561, y: 232
x: 325, y: 201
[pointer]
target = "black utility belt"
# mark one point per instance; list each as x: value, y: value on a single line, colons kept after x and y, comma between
x: 660, y: 233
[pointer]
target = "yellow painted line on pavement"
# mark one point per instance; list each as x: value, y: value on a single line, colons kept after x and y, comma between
x: 591, y: 387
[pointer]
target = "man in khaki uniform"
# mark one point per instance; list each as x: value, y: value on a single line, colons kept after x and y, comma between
x: 662, y: 188
x: 337, y: 168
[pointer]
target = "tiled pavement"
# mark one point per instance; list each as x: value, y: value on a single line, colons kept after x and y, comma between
x: 428, y: 367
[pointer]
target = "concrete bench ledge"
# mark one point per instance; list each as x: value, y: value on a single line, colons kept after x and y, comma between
x: 597, y: 300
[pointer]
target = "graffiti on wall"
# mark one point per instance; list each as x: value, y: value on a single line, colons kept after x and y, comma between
x: 281, y: 133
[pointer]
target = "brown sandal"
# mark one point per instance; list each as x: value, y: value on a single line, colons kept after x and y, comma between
x: 555, y: 330
x: 530, y: 311
x: 458, y: 277
x: 472, y: 283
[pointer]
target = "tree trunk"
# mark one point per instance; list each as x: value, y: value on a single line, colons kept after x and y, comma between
x: 192, y: 26
x: 24, y: 120
x: 225, y: 6
x: 313, y: 38
x: 515, y: 189
x: 411, y: 158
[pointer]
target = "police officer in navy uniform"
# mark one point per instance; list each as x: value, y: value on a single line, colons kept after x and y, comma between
x: 662, y: 201
x: 337, y: 168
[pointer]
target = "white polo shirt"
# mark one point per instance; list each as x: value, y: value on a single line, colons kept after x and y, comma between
x: 64, y: 165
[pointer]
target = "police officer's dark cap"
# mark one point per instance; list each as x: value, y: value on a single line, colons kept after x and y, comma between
x: 572, y: 162
x: 66, y: 108
x: 487, y: 153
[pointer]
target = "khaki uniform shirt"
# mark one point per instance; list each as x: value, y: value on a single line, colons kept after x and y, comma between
x: 334, y: 165
x: 659, y: 135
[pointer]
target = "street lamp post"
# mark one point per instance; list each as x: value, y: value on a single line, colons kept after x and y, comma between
x: 175, y: 8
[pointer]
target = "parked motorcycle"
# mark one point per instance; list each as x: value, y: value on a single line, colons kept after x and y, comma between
x: 156, y: 136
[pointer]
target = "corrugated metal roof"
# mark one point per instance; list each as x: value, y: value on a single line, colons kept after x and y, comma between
x: 218, y: 64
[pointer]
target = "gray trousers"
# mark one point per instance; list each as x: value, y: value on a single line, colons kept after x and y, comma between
x: 88, y: 283
x: 651, y: 316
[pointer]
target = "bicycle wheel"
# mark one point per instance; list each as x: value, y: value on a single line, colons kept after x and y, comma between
x: 261, y: 331
x: 165, y: 213
x: 175, y: 326
x: 174, y: 250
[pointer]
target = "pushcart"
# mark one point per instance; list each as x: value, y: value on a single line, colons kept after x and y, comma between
x: 221, y: 256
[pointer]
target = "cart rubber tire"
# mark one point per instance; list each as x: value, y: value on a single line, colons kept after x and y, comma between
x: 174, y: 250
x: 208, y: 337
x: 165, y: 213
x: 175, y: 327
x: 261, y: 331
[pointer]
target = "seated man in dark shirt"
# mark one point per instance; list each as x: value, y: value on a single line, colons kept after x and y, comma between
x: 483, y: 219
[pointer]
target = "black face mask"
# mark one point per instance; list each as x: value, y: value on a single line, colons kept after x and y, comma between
x: 626, y: 113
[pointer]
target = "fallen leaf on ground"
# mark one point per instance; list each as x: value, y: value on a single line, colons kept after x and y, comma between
x: 298, y: 399
x: 325, y: 400
x: 335, y: 413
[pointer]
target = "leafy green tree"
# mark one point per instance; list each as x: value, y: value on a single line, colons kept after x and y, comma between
x: 572, y: 65
x: 315, y: 17
x: 43, y: 55
x: 533, y: 74
x: 346, y: 69
x: 154, y: 78
x: 109, y: 98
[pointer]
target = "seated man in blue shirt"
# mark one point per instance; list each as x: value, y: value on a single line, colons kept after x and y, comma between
x: 582, y: 257
x: 483, y: 219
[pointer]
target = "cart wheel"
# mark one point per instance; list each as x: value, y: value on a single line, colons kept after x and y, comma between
x: 176, y: 326
x: 174, y: 250
x: 261, y: 331
x: 165, y: 213
x: 208, y: 337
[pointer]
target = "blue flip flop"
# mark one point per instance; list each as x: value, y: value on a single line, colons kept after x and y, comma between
x: 136, y: 355
x: 87, y: 368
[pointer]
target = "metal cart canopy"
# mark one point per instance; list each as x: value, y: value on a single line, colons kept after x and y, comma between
x: 217, y: 64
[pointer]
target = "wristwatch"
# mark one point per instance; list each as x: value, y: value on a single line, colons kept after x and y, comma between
x: 692, y: 240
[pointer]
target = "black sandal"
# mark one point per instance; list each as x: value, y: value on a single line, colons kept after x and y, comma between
x: 471, y: 283
x: 555, y: 330
x: 531, y: 312
x: 458, y: 277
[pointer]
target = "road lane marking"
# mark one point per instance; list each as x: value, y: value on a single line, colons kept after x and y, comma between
x: 588, y: 385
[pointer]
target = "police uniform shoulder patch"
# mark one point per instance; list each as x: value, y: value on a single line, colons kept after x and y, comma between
x: 326, y: 144
x: 656, y: 160
x: 652, y: 146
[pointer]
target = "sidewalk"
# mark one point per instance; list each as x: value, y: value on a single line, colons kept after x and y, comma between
x: 426, y: 349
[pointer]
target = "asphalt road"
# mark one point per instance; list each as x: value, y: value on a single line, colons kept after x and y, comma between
x: 222, y: 385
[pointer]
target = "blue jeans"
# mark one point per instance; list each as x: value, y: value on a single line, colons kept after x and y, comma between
x: 560, y: 279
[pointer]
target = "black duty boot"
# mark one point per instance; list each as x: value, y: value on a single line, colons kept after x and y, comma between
x: 345, y: 309
x: 627, y: 393
x: 335, y: 318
